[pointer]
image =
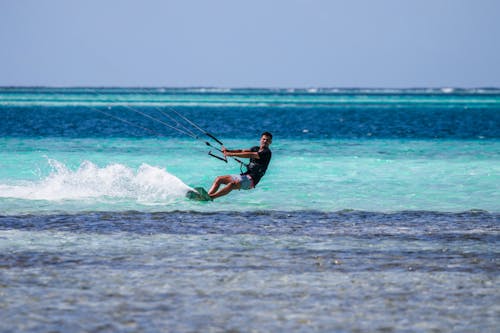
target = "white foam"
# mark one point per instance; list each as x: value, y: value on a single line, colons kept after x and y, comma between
x: 147, y: 184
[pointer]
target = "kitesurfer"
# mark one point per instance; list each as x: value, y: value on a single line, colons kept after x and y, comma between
x: 259, y: 156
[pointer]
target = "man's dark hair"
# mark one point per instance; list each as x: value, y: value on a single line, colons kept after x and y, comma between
x: 267, y: 134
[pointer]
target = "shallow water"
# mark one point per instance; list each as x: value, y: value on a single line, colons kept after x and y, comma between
x: 263, y: 271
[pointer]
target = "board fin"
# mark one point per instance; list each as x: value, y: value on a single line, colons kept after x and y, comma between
x: 199, y: 194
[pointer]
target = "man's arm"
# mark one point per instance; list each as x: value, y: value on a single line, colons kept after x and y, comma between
x: 233, y: 150
x: 244, y: 153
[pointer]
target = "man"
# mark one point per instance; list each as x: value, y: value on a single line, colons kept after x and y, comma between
x: 259, y: 156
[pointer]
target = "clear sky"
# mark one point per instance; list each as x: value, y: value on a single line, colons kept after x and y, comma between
x: 258, y: 43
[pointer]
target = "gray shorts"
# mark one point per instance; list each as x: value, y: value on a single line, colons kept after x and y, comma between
x: 245, y: 181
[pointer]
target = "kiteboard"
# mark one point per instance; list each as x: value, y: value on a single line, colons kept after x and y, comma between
x: 199, y: 194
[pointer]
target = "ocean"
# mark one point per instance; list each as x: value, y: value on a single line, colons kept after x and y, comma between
x: 380, y: 211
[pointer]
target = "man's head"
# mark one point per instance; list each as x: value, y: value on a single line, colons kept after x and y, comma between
x: 266, y: 139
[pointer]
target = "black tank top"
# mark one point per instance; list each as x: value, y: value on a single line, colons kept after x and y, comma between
x: 258, y: 166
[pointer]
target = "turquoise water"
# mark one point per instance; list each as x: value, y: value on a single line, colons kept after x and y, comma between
x: 326, y: 175
x: 379, y: 211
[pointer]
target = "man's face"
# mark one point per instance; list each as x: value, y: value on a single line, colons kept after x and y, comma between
x: 265, y: 141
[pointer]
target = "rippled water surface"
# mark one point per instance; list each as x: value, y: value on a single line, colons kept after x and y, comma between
x: 264, y: 271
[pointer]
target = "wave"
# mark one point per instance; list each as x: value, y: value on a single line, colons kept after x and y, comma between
x: 229, y: 97
x: 146, y: 185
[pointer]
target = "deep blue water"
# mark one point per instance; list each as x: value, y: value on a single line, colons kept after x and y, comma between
x: 346, y: 114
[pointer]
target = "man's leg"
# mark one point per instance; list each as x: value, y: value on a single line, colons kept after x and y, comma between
x: 226, y: 180
x: 218, y: 182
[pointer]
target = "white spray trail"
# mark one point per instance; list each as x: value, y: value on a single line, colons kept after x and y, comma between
x: 147, y: 184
